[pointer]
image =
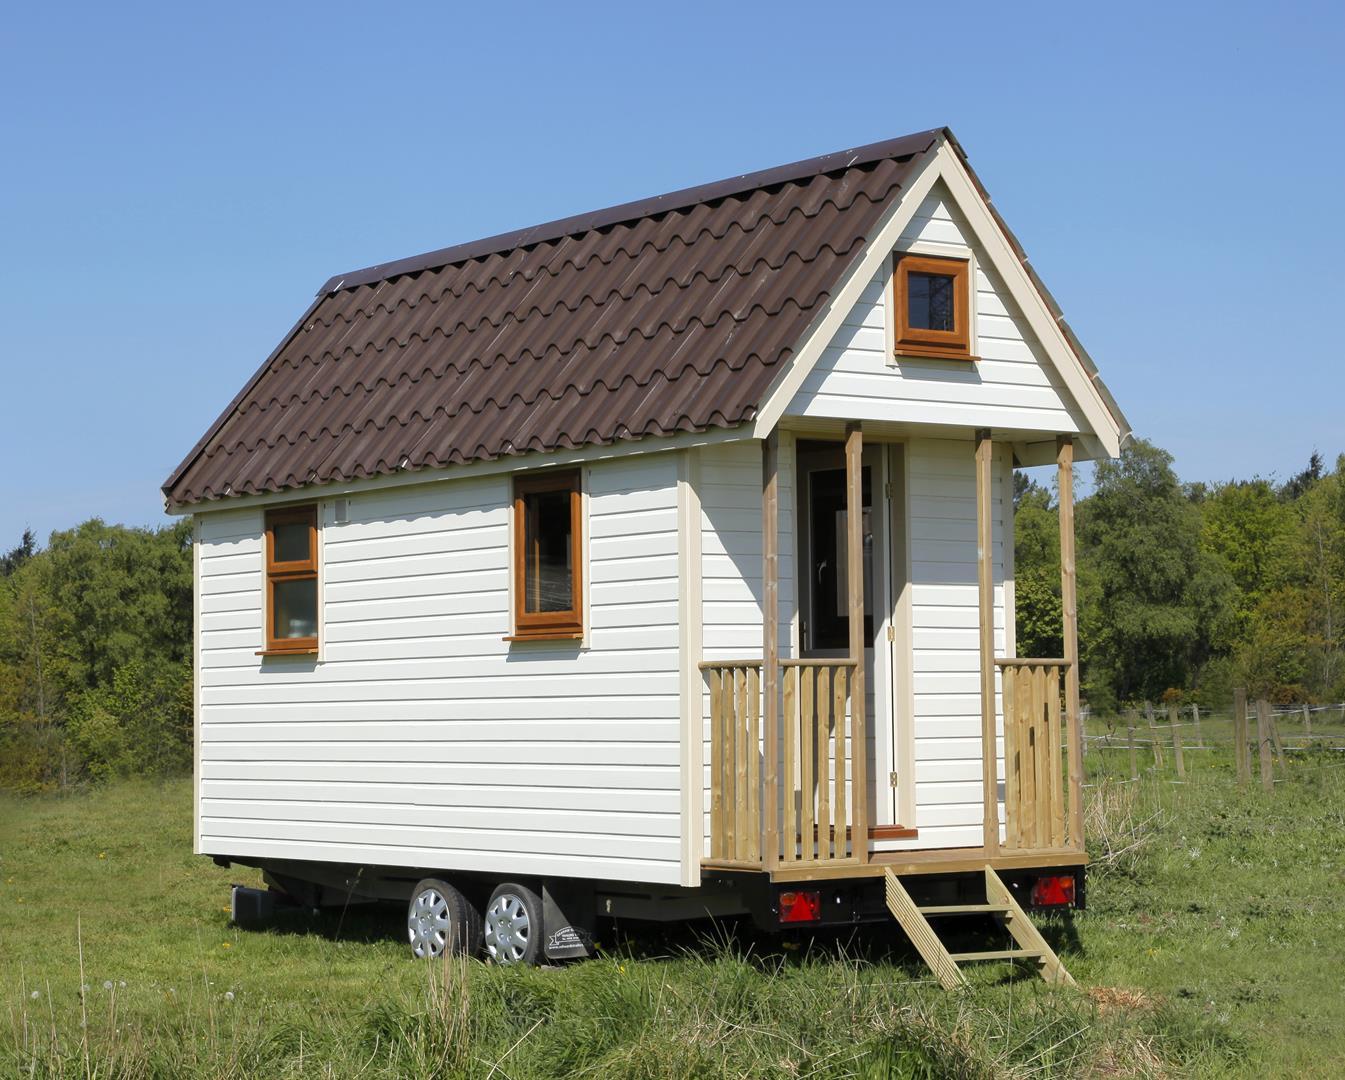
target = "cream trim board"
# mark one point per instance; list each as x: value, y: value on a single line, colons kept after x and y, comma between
x: 823, y: 328
x: 1103, y: 424
x: 1007, y: 542
x: 690, y: 638
x: 903, y: 697
x: 522, y: 463
x: 196, y: 683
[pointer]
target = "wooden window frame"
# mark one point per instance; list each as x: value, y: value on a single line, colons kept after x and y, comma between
x: 548, y: 625
x: 916, y: 341
x: 294, y: 570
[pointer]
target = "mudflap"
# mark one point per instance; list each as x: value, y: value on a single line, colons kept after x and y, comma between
x: 567, y: 917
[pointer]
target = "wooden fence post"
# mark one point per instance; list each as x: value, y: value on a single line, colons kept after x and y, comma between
x: 1173, y: 717
x: 1149, y: 713
x: 1307, y: 721
x: 1195, y: 719
x: 1131, y: 717
x: 1263, y: 744
x: 1275, y: 739
x: 1240, y: 754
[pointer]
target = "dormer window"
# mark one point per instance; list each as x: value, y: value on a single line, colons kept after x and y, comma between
x: 931, y: 301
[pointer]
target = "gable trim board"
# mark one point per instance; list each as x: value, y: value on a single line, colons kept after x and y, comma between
x: 1107, y: 425
x: 584, y: 456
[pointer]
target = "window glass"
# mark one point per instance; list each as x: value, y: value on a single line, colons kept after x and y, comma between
x: 294, y: 607
x: 930, y: 299
x: 548, y: 572
x: 291, y: 540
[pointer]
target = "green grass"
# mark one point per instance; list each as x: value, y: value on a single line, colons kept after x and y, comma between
x: 1212, y: 948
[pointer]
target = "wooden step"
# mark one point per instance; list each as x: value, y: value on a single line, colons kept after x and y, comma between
x: 998, y: 954
x: 1000, y: 902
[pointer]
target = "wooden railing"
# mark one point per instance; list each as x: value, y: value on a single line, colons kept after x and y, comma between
x: 814, y: 784
x: 812, y: 803
x: 735, y: 761
x: 1037, y: 804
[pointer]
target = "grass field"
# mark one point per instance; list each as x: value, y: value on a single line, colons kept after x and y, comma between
x: 1212, y: 946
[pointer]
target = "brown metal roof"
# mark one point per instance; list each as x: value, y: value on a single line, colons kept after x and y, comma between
x: 663, y: 316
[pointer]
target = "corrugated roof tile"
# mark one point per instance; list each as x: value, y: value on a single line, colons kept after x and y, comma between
x: 674, y: 317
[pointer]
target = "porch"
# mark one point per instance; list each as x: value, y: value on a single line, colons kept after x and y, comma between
x: 789, y: 794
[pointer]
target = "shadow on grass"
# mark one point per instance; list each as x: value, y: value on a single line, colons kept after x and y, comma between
x: 876, y: 944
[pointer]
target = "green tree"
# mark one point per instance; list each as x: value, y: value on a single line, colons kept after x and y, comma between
x: 1155, y: 607
x: 1036, y: 539
x: 95, y: 636
x: 125, y: 595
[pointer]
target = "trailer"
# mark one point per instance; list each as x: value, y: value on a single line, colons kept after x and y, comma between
x: 655, y: 563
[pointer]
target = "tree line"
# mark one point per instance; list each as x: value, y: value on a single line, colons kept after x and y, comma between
x: 1185, y: 590
x: 95, y: 656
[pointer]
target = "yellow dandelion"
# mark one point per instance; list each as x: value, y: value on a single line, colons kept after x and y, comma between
x: 102, y: 854
x: 225, y: 945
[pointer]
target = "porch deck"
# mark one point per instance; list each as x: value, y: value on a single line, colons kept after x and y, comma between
x: 789, y: 791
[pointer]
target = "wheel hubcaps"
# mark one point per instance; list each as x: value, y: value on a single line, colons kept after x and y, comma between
x: 508, y: 929
x: 427, y: 924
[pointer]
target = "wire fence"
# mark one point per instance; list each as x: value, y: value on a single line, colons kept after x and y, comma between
x: 1140, y: 741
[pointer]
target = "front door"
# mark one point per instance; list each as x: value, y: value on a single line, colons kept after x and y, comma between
x: 824, y: 622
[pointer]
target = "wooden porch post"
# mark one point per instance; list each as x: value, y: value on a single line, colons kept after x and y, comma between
x: 985, y: 554
x: 854, y: 541
x: 770, y: 644
x: 1069, y: 608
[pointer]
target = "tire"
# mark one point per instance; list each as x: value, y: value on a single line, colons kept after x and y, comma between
x: 441, y: 921
x: 513, y: 925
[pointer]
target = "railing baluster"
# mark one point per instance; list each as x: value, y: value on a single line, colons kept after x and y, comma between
x: 1027, y: 773
x: 839, y: 680
x: 716, y: 768
x: 754, y: 822
x: 1041, y: 755
x: 807, y: 747
x: 790, y: 784
x: 730, y: 764
x: 823, y: 724
x: 1054, y: 763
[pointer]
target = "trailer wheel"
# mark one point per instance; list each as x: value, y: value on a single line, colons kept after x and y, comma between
x: 514, y: 925
x: 439, y: 920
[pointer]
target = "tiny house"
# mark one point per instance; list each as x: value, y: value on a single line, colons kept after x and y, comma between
x: 654, y: 563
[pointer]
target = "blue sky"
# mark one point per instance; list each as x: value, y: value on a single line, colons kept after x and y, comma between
x: 178, y: 181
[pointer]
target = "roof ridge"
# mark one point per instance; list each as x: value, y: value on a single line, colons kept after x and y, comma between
x: 902, y: 146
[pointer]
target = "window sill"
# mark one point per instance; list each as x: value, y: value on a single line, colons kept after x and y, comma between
x: 549, y: 635
x: 288, y: 652
x: 908, y: 351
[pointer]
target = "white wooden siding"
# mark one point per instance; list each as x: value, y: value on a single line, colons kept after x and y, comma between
x: 423, y: 739
x: 729, y: 482
x: 945, y: 638
x: 1008, y: 388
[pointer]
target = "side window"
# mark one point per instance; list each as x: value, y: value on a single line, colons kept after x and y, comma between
x: 931, y: 303
x: 548, y: 556
x: 292, y: 579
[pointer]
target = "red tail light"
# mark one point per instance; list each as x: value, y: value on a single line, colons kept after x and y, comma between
x: 798, y: 907
x: 1053, y: 891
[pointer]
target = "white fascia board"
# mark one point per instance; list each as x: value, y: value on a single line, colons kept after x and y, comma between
x: 827, y: 321
x: 1102, y: 436
x: 1100, y: 422
x: 582, y: 456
